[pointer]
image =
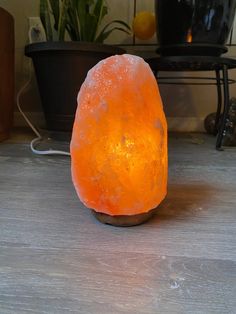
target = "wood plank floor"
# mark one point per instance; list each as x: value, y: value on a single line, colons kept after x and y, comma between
x: 56, y: 258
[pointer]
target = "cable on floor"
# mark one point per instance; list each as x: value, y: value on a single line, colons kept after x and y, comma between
x: 39, y: 137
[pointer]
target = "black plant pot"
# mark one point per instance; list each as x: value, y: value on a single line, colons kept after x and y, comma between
x: 194, y: 27
x: 61, y: 68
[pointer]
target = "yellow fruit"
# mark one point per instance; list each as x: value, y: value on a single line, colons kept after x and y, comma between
x: 144, y: 25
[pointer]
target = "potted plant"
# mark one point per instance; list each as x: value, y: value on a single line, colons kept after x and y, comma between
x: 194, y: 27
x: 61, y: 65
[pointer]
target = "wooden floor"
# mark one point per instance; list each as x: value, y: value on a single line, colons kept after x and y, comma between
x: 56, y: 258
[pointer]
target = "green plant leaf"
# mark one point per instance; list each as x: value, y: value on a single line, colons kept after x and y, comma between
x: 82, y: 11
x: 55, y: 7
x: 90, y: 13
x: 80, y: 18
x: 72, y: 25
x: 90, y: 28
x: 121, y: 23
x: 94, y: 19
x: 105, y: 33
x: 100, y: 10
x: 44, y: 13
x: 63, y: 19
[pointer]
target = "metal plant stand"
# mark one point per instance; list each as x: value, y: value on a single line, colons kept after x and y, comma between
x: 219, y: 65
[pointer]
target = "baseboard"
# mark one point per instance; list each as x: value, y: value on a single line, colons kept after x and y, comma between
x: 177, y: 124
x: 185, y: 124
x: 36, y: 118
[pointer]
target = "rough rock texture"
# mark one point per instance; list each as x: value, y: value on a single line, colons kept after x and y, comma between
x: 119, y: 140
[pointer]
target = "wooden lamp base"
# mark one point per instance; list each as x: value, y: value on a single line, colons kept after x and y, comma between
x: 124, y: 220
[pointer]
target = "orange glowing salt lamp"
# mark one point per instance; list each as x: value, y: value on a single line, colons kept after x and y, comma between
x: 119, y: 142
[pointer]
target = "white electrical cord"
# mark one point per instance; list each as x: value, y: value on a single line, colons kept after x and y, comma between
x: 39, y: 138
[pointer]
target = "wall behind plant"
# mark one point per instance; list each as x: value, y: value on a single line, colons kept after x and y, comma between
x: 185, y: 106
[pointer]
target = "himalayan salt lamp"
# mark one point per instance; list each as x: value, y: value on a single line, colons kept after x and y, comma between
x: 119, y: 142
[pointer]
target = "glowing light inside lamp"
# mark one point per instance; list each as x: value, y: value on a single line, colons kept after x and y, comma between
x: 119, y: 140
x: 189, y: 36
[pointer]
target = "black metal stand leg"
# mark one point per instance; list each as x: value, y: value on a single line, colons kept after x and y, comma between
x: 219, y: 102
x: 226, y: 109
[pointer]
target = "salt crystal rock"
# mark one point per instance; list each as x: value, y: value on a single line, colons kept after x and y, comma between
x: 119, y: 140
